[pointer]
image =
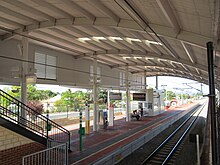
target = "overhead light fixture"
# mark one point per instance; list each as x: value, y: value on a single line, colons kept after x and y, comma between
x: 149, y: 58
x: 152, y: 42
x: 125, y: 58
x: 175, y: 62
x: 137, y: 58
x: 84, y: 39
x: 115, y: 38
x: 133, y: 39
x: 162, y: 60
x: 99, y: 38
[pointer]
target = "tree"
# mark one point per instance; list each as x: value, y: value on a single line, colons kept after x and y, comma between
x: 75, y: 100
x: 170, y: 95
x: 103, y: 96
x: 34, y: 96
x: 32, y: 93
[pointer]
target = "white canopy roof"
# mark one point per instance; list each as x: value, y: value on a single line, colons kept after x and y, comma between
x: 159, y: 37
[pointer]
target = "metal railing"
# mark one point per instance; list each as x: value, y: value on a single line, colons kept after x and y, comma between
x: 57, y: 155
x: 123, y: 151
x: 17, y: 112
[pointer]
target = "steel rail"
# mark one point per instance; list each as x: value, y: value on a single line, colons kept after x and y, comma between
x: 172, y: 135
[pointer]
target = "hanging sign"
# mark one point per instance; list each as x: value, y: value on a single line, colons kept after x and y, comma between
x: 139, y: 96
x: 115, y: 96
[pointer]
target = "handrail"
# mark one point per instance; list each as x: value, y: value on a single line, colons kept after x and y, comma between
x: 32, y: 120
x: 55, y: 155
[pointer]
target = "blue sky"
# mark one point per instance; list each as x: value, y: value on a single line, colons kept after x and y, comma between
x: 171, y: 83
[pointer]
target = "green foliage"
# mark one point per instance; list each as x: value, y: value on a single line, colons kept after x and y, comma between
x: 32, y: 93
x: 59, y: 103
x: 75, y: 100
x: 34, y: 96
x: 103, y: 96
x: 170, y: 95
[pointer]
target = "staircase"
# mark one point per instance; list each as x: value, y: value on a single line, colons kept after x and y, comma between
x: 20, y: 118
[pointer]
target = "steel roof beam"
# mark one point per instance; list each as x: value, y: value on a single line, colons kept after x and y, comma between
x: 71, y: 46
x: 30, y: 9
x: 197, y: 70
x: 52, y: 8
x: 189, y: 52
x: 156, y: 56
x: 188, y: 37
x: 168, y: 12
x: 10, y: 23
x: 104, y: 9
x: 184, y: 67
x: 73, y: 5
x: 18, y: 16
x: 194, y: 77
x: 167, y: 67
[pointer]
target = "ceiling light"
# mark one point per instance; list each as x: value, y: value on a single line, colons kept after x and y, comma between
x: 99, y: 38
x: 175, y: 62
x: 126, y: 57
x: 162, y: 60
x: 137, y: 58
x: 134, y: 39
x: 152, y: 42
x: 115, y: 38
x: 83, y: 39
x: 149, y: 58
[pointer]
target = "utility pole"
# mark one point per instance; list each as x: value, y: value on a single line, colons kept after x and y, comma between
x: 165, y: 91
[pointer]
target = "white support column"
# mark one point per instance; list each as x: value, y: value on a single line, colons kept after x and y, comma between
x: 24, y: 73
x: 110, y: 112
x: 95, y: 95
x: 127, y: 96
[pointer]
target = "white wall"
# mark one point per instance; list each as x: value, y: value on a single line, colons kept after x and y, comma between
x: 64, y: 76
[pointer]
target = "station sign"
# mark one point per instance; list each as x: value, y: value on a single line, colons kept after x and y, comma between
x: 139, y: 96
x: 115, y: 96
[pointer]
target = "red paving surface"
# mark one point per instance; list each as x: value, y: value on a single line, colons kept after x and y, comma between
x: 120, y: 127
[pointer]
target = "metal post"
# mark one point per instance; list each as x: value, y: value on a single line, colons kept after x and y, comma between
x: 67, y: 115
x: 212, y: 108
x: 156, y: 82
x: 80, y: 131
x: 47, y: 124
x: 197, y: 147
x: 145, y: 79
x: 127, y: 96
x: 201, y: 89
x: 95, y: 93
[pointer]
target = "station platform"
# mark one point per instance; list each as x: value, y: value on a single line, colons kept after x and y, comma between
x: 100, y: 144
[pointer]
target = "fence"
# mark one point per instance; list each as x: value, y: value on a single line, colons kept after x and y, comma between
x: 57, y: 155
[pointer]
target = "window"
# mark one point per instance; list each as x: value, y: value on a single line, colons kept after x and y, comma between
x: 45, y: 66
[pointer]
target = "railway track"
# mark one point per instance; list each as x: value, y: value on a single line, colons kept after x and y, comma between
x: 169, y: 148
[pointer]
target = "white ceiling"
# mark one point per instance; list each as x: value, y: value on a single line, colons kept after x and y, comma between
x: 159, y: 37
